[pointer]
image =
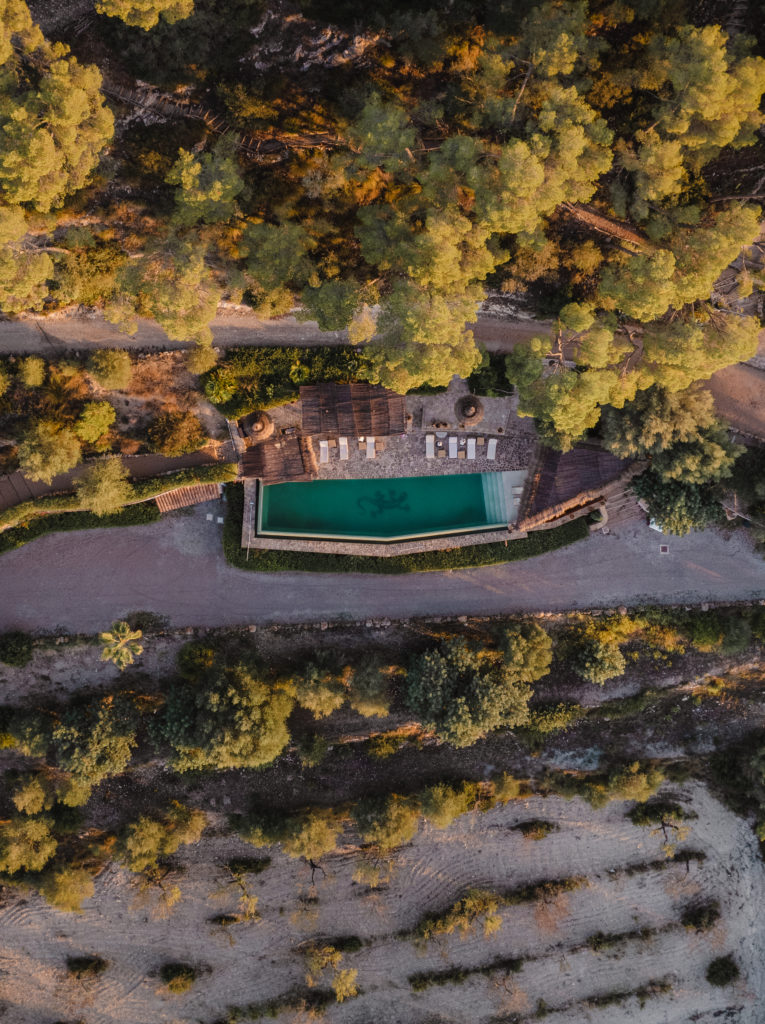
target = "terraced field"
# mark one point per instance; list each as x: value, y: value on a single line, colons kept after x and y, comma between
x: 612, y: 948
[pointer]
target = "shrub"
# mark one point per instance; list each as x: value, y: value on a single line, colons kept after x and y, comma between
x: 178, y: 977
x: 201, y: 359
x: 596, y: 658
x: 67, y: 888
x: 310, y: 833
x: 701, y: 918
x: 344, y: 984
x: 32, y: 371
x: 536, y: 829
x: 86, y: 966
x: 527, y: 652
x: 145, y: 841
x: 95, y: 739
x: 722, y: 971
x: 16, y: 648
x: 26, y: 844
x: 111, y: 368
x: 387, y: 822
x: 369, y: 690
x: 442, y: 803
x: 177, y: 433
x: 463, y: 916
x: 321, y: 689
x: 95, y: 420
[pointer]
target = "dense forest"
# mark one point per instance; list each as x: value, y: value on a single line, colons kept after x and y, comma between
x: 599, y: 161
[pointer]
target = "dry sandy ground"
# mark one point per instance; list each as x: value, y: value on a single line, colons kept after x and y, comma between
x: 256, y: 960
x: 83, y: 581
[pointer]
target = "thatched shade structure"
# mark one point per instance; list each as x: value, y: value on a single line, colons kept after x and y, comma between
x: 258, y: 425
x: 351, y: 410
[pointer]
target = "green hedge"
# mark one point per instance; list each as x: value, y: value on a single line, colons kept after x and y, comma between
x: 133, y: 515
x: 220, y: 473
x: 261, y: 560
x: 55, y: 512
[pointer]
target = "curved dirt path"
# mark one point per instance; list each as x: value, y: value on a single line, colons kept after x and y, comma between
x: 83, y: 581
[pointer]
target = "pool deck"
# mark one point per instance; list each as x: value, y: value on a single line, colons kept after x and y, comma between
x: 403, y: 455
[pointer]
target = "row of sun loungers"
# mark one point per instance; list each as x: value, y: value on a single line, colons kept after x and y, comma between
x: 460, y: 450
x: 367, y: 444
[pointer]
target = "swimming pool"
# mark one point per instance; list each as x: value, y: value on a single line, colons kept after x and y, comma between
x: 384, y: 510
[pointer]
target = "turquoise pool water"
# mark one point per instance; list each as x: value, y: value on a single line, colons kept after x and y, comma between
x: 385, y: 509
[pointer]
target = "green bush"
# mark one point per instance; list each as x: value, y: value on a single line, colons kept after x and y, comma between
x: 722, y: 971
x: 81, y: 967
x: 260, y: 378
x: 16, y: 648
x: 178, y: 977
x: 536, y: 828
x: 387, y: 822
x: 26, y: 844
x: 95, y: 739
x: 111, y: 368
x: 231, y: 717
x: 310, y: 833
x: 462, y: 693
x: 267, y: 560
x: 147, y: 840
x: 701, y: 918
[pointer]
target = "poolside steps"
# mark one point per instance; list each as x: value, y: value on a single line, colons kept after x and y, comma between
x: 494, y: 497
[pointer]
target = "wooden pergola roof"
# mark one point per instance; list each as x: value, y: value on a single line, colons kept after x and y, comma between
x: 279, y: 460
x: 351, y: 410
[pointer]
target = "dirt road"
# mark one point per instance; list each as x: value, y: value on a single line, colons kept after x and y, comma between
x: 83, y: 581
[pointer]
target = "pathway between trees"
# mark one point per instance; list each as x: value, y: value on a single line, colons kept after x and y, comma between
x: 85, y: 580
x: 15, y: 487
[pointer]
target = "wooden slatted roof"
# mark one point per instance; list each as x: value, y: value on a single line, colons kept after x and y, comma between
x: 278, y: 460
x: 183, y: 496
x: 351, y: 410
x: 561, y: 478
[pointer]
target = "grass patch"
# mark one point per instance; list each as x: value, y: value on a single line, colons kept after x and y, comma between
x: 473, y: 556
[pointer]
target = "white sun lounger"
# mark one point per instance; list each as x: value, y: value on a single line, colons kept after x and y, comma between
x: 370, y: 448
x: 471, y: 448
x: 343, y: 446
x: 430, y: 446
x: 323, y: 451
x: 452, y: 447
x: 491, y: 449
